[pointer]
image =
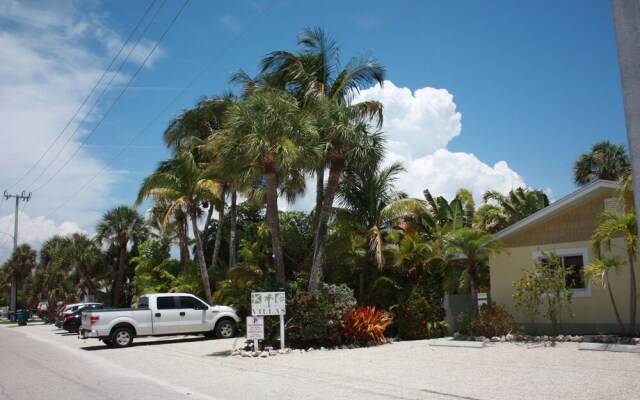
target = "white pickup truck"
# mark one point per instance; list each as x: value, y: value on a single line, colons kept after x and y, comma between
x: 159, y: 314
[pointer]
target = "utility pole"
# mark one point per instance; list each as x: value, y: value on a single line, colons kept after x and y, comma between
x: 14, y: 282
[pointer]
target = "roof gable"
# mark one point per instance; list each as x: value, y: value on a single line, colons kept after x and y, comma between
x: 564, y: 220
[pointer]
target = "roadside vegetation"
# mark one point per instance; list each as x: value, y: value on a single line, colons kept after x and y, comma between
x: 367, y: 261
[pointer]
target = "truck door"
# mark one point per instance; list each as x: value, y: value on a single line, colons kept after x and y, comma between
x: 194, y: 315
x: 166, y: 316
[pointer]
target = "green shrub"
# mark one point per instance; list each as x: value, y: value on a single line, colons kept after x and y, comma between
x: 312, y: 319
x: 465, y: 324
x: 420, y: 317
x: 493, y: 320
x: 342, y: 298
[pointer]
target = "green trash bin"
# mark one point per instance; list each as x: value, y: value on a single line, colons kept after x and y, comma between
x: 20, y: 316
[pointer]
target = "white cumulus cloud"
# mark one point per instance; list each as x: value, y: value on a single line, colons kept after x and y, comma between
x: 419, y: 125
x: 34, y: 231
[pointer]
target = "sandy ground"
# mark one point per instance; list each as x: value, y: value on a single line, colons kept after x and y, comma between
x: 403, y: 370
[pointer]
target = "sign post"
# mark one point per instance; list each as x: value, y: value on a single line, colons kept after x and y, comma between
x: 269, y: 303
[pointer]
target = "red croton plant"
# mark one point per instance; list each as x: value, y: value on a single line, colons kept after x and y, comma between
x: 365, y: 325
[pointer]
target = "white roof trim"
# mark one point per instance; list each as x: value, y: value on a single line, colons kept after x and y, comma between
x: 557, y: 206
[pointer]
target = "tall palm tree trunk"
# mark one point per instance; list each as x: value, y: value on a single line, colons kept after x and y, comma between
x: 233, y: 215
x: 319, y: 196
x: 200, y: 254
x: 335, y: 171
x: 122, y: 259
x: 185, y: 256
x: 274, y: 223
x: 615, y: 307
x: 218, y: 240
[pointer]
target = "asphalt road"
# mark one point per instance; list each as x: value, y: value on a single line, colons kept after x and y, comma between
x: 42, y: 362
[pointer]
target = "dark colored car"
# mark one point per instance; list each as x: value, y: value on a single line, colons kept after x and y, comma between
x: 67, y: 310
x: 73, y: 320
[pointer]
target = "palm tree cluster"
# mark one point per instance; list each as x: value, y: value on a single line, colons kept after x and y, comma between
x: 294, y: 120
x: 297, y: 120
x: 76, y: 266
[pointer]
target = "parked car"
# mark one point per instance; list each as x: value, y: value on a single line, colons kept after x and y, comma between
x: 42, y: 310
x: 73, y: 321
x: 159, y: 314
x: 66, y: 310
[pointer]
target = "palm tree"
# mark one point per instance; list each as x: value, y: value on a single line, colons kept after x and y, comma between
x: 120, y: 226
x: 501, y: 211
x: 315, y: 78
x: 273, y: 133
x: 50, y: 285
x: 238, y: 173
x: 351, y: 142
x: 176, y: 228
x: 21, y: 264
x: 443, y: 216
x: 86, y: 263
x: 369, y: 204
x: 611, y: 225
x: 50, y: 252
x: 472, y: 248
x: 182, y: 180
x: 605, y: 161
x: 196, y: 125
x: 598, y: 273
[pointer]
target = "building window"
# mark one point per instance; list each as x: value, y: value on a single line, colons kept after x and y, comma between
x: 574, y: 270
x: 573, y: 261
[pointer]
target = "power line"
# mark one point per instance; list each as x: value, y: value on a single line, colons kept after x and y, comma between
x: 103, y: 92
x: 85, y: 101
x: 113, y: 104
x: 189, y: 85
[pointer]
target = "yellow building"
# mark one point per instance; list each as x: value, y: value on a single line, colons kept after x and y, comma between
x: 565, y: 227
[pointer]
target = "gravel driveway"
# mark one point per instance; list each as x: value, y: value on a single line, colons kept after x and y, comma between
x: 205, y: 369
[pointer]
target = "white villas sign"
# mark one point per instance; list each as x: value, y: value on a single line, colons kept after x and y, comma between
x: 268, y: 303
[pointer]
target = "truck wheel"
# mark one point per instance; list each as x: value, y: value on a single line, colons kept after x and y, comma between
x: 225, y: 329
x: 121, y: 337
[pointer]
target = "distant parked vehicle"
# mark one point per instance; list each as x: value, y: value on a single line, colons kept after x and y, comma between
x: 42, y: 311
x: 66, y: 310
x: 159, y: 314
x: 73, y: 321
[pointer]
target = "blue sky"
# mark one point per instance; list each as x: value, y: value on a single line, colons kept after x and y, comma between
x: 479, y: 94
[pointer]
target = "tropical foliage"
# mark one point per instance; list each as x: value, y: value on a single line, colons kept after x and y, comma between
x: 606, y: 160
x: 545, y: 286
x: 365, y: 325
x: 611, y: 225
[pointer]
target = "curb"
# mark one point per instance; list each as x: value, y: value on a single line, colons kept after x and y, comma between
x: 625, y: 348
x: 457, y: 343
